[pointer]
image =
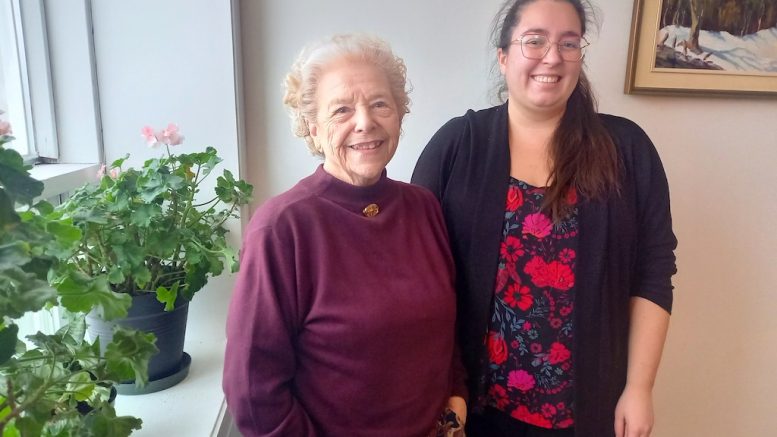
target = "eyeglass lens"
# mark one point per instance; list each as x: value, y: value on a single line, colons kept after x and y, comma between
x: 537, y: 47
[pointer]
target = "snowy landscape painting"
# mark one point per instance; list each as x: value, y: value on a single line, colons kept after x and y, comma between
x: 703, y: 47
x: 728, y: 35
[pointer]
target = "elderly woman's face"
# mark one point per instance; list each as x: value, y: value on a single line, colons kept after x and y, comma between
x: 357, y: 124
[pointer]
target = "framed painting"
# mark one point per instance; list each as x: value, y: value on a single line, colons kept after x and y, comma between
x: 703, y: 47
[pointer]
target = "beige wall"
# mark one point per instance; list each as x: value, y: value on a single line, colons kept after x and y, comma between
x: 717, y: 376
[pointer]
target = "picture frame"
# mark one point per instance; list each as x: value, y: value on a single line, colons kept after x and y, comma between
x: 651, y: 44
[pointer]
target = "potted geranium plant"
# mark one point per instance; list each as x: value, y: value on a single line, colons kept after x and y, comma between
x: 154, y: 237
x: 59, y: 384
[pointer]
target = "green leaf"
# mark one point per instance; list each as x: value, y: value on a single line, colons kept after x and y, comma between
x: 106, y: 423
x: 117, y: 163
x: 129, y: 255
x: 21, y: 291
x: 10, y: 429
x: 128, y: 354
x: 143, y: 215
x: 29, y: 426
x: 14, y: 177
x: 14, y: 254
x: 230, y: 256
x: 44, y: 208
x: 80, y: 293
x: 81, y: 386
x: 115, y: 276
x: 8, y: 338
x: 7, y: 212
x: 64, y: 231
x: 168, y: 297
x: 142, y: 276
x: 74, y: 331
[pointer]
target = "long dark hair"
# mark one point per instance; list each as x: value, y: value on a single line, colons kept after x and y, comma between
x: 582, y: 151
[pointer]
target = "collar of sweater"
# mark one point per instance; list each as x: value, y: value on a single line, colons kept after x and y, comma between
x: 353, y: 197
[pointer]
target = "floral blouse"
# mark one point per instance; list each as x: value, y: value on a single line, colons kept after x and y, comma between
x: 530, y: 335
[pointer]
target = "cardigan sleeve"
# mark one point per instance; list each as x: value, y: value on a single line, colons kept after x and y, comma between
x: 434, y: 165
x: 259, y: 362
x: 656, y: 242
x: 432, y: 171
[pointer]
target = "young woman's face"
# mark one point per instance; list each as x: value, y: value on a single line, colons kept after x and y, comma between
x: 357, y: 125
x: 542, y: 86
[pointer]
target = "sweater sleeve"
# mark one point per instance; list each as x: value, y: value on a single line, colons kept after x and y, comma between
x: 259, y: 365
x: 655, y: 261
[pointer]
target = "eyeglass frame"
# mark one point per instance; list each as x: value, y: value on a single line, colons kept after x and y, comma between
x: 519, y: 41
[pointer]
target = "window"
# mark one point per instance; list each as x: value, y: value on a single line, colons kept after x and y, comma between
x: 25, y: 79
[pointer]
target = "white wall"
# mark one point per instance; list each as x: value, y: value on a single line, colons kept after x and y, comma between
x: 717, y: 376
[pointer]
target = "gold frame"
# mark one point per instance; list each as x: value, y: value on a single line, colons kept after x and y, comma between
x: 642, y: 77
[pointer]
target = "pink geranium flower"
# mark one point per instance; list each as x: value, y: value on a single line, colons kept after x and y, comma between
x: 5, y: 128
x: 148, y: 134
x: 170, y: 135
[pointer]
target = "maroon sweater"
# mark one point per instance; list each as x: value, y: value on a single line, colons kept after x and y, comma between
x: 342, y: 324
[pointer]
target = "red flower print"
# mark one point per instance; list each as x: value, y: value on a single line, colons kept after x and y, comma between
x: 521, y: 380
x: 555, y: 274
x: 558, y: 353
x: 567, y: 255
x: 559, y: 276
x: 566, y: 423
x: 571, y: 197
x: 534, y: 267
x: 535, y: 348
x: 522, y: 413
x: 519, y: 296
x: 497, y: 348
x: 526, y: 326
x: 564, y: 311
x: 537, y: 224
x: 514, y: 198
x: 514, y: 344
x: 501, y: 278
x: 548, y: 410
x: 511, y: 249
x: 499, y: 395
x: 555, y: 323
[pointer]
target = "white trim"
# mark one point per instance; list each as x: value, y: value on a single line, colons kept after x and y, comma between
x: 74, y: 78
x: 63, y: 178
x: 225, y: 424
x: 36, y: 72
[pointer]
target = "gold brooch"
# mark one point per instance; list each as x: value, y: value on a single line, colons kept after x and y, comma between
x: 371, y: 210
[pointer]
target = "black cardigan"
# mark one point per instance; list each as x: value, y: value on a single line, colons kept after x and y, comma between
x: 626, y: 248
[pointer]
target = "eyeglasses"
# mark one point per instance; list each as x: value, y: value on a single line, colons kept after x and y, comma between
x: 538, y: 46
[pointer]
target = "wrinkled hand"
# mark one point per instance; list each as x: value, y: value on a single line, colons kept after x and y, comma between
x: 458, y: 405
x: 634, y: 412
x: 451, y: 421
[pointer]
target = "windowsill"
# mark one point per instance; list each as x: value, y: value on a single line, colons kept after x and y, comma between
x: 195, y: 406
x: 62, y: 178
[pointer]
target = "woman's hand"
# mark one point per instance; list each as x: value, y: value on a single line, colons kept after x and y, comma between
x: 634, y: 412
x: 458, y: 405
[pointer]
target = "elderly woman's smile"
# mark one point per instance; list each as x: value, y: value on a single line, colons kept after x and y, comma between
x: 357, y: 123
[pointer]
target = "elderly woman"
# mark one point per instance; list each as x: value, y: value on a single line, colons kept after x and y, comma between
x: 342, y: 319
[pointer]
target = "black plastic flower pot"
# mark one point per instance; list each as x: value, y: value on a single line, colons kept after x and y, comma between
x: 171, y: 364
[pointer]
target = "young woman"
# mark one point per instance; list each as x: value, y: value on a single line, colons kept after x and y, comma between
x: 561, y: 233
